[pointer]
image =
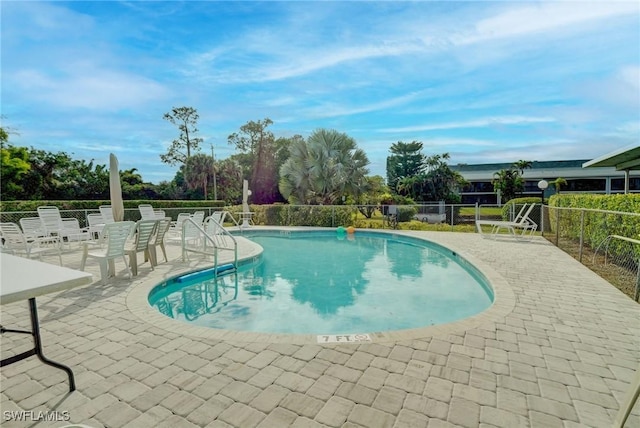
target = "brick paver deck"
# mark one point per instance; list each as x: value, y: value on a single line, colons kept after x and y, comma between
x: 560, y: 352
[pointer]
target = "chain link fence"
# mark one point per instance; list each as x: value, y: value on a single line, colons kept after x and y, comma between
x: 443, y: 216
x: 605, y: 241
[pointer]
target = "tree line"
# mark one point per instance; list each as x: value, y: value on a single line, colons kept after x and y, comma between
x: 325, y: 168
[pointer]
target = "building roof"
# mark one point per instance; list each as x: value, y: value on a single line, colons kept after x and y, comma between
x: 534, y: 165
x: 627, y: 158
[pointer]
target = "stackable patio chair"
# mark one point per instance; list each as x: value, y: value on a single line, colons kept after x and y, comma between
x: 144, y: 230
x: 522, y: 223
x: 14, y: 241
x: 157, y: 240
x: 109, y: 247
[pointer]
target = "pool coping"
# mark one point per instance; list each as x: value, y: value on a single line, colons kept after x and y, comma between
x: 503, y: 304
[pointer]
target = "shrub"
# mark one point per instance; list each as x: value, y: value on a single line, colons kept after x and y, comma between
x: 597, y: 225
x: 406, y: 213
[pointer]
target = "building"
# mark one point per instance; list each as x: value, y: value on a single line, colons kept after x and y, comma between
x: 605, y: 180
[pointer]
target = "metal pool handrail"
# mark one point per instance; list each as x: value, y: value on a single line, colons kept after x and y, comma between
x: 214, y: 244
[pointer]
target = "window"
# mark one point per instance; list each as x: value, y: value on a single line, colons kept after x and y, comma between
x: 586, y: 185
x: 617, y: 184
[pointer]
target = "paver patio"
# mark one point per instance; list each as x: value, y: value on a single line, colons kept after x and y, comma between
x: 560, y: 352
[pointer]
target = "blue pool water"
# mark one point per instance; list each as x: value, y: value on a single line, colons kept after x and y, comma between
x: 325, y: 283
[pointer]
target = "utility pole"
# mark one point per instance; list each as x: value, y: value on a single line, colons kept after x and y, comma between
x: 215, y: 186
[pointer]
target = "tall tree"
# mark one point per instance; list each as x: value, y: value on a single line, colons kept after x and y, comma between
x: 326, y: 168
x: 197, y: 172
x: 444, y: 184
x: 406, y: 160
x: 186, y: 119
x: 229, y: 174
x: 256, y: 140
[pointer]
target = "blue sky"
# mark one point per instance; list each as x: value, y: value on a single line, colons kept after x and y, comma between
x: 483, y: 81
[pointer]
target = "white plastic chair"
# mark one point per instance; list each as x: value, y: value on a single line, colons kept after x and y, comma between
x: 113, y: 239
x: 198, y: 217
x: 107, y: 214
x: 96, y: 224
x: 146, y: 212
x: 32, y: 227
x: 144, y: 231
x: 214, y: 226
x: 14, y: 241
x: 176, y: 226
x: 73, y: 232
x: 157, y: 240
x: 522, y: 222
x: 54, y: 225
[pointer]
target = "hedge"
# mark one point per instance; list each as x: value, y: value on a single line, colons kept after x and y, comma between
x: 8, y: 206
x: 597, y: 225
x: 302, y: 215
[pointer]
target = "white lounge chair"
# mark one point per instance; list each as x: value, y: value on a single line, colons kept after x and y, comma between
x: 198, y: 217
x: 148, y: 213
x: 175, y: 230
x: 110, y: 247
x: 214, y: 226
x: 96, y: 224
x: 15, y: 241
x: 522, y: 223
x: 73, y: 232
x: 107, y: 214
x: 54, y: 225
x: 32, y: 227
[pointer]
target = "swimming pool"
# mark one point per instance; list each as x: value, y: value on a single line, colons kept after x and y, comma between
x: 321, y: 282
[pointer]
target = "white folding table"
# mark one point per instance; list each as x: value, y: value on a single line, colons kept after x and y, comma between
x: 25, y: 279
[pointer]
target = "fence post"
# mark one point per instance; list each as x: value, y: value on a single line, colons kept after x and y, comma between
x: 558, y: 211
x: 637, y: 293
x: 452, y: 211
x: 581, y: 234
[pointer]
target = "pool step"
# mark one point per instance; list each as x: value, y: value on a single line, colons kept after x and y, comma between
x: 213, y: 271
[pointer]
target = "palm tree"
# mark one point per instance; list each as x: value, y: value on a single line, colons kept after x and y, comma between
x: 294, y: 182
x: 326, y: 167
x: 508, y: 182
x: 521, y: 165
x: 198, y: 169
x: 558, y: 183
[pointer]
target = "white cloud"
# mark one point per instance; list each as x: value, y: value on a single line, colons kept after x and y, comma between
x: 544, y: 17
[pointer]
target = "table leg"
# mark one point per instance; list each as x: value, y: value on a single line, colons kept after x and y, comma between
x: 35, y: 326
x: 37, y: 349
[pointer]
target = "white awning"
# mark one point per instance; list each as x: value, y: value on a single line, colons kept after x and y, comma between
x: 627, y: 158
